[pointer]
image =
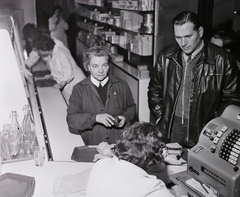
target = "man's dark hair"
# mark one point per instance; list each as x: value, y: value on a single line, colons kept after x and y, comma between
x: 141, y: 145
x: 185, y: 17
x: 43, y: 43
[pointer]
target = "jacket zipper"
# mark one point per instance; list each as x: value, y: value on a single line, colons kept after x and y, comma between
x: 174, y: 107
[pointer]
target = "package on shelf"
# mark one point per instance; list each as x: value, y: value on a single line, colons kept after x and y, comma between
x: 108, y: 34
x: 114, y: 39
x: 94, y: 14
x: 100, y: 32
x: 96, y: 28
x: 147, y: 43
x: 115, y: 4
x: 117, y: 21
x: 136, y: 19
x: 132, y: 5
x: 128, y: 36
x: 99, y: 2
x: 122, y: 40
x: 137, y: 45
x: 146, y: 5
x: 103, y: 17
x: 127, y: 24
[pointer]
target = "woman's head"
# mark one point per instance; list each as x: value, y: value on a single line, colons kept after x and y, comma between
x: 44, y: 44
x: 57, y: 10
x: 96, y: 61
x: 141, y: 145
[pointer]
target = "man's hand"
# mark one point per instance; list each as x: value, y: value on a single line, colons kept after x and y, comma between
x: 106, y: 119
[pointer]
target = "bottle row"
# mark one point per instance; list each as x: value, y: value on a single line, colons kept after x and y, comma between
x: 141, y: 5
x: 17, y: 142
x: 91, y: 34
x: 127, y: 20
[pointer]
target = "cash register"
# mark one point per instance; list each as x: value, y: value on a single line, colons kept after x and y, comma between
x: 214, y: 160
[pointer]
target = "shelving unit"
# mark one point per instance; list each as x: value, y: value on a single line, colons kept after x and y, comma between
x: 127, y: 28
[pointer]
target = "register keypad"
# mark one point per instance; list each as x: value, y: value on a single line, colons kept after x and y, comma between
x: 230, y: 149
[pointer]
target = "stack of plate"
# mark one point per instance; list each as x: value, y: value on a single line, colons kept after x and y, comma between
x: 12, y: 185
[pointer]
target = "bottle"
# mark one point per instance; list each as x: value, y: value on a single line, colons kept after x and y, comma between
x: 4, y: 144
x: 28, y: 130
x: 15, y: 135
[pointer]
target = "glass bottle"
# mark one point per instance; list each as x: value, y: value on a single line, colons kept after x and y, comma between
x: 4, y: 145
x: 28, y: 130
x: 15, y: 135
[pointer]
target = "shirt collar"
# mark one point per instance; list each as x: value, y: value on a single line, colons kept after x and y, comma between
x: 97, y: 83
x: 194, y: 53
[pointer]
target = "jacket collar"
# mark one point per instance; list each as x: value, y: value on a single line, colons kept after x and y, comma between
x: 208, y: 57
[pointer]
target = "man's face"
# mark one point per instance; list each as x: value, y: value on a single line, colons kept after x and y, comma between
x: 187, y: 38
x: 99, y: 67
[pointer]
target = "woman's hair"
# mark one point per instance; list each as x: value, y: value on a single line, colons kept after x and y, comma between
x: 141, y: 145
x: 185, y: 17
x: 99, y: 51
x: 30, y: 31
x: 43, y: 43
x: 57, y: 7
x: 227, y: 39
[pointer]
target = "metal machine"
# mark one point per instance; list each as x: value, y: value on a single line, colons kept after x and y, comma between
x: 215, y: 159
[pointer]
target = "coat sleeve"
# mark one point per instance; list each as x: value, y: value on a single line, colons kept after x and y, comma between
x: 155, y: 90
x: 76, y: 119
x: 65, y: 65
x: 231, y: 85
x: 130, y: 111
x: 52, y: 24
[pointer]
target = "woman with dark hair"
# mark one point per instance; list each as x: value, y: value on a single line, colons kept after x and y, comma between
x: 100, y: 105
x: 63, y: 67
x: 139, y: 148
x: 57, y: 25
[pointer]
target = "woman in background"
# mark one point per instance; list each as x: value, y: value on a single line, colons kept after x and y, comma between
x: 58, y: 26
x: 63, y: 67
x: 100, y: 105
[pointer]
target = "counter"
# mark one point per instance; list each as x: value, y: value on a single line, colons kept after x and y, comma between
x: 62, y: 143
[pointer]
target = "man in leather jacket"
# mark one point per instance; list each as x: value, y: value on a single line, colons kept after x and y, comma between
x: 192, y: 82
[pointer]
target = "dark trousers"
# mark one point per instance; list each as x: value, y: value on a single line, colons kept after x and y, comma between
x: 179, y: 131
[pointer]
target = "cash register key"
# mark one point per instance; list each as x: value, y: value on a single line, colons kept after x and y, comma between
x: 224, y: 129
x: 215, y: 141
x: 213, y: 148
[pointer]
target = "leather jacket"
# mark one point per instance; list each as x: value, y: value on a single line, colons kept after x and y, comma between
x: 215, y: 85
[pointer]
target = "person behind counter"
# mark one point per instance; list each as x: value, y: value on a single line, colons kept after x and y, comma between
x: 138, y: 149
x: 57, y: 25
x: 100, y: 101
x: 192, y: 82
x: 63, y: 67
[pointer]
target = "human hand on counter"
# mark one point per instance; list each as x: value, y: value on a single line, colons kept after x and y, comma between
x: 57, y: 86
x: 179, y: 191
x: 105, y: 150
x: 106, y: 119
x: 122, y: 121
x: 47, y: 76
